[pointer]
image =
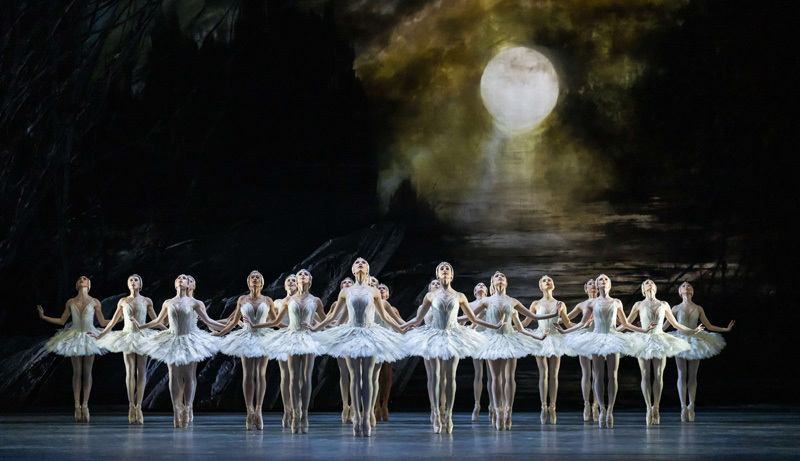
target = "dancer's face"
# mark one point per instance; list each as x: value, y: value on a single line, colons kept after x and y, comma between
x: 591, y: 288
x: 373, y: 282
x: 290, y: 284
x: 444, y: 273
x: 304, y: 278
x: 435, y: 285
x: 499, y: 281
x: 182, y: 282
x: 546, y: 283
x: 648, y: 286
x: 360, y: 267
x: 384, y: 291
x: 603, y: 284
x: 255, y: 281
x: 192, y: 284
x: 347, y: 283
x: 480, y: 290
x: 83, y: 282
x: 686, y: 289
x: 134, y: 283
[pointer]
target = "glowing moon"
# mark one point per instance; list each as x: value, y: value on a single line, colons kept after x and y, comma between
x: 519, y: 87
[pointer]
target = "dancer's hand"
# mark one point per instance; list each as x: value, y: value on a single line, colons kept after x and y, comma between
x: 409, y: 327
x: 217, y: 333
x: 501, y: 322
x: 730, y: 325
x: 40, y: 309
x: 546, y: 332
x: 246, y: 320
x: 559, y: 328
x: 135, y: 322
x: 652, y: 325
x: 698, y: 329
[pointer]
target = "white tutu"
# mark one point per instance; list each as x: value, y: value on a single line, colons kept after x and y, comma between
x: 363, y: 341
x: 127, y: 342
x: 594, y: 343
x: 703, y: 345
x: 432, y: 342
x: 507, y: 346
x: 70, y: 342
x: 658, y: 344
x: 285, y: 342
x: 246, y: 342
x: 181, y: 349
x: 554, y: 345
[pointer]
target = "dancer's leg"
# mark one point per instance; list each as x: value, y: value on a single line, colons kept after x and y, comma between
x: 287, y: 402
x: 344, y: 387
x: 436, y: 371
x: 354, y: 365
x: 644, y: 369
x: 368, y: 392
x: 176, y: 393
x: 691, y: 384
x: 496, y: 369
x: 130, y: 383
x: 612, y: 363
x: 295, y: 364
x: 87, y: 361
x: 510, y: 388
x: 141, y: 381
x: 385, y: 388
x: 477, y: 387
x: 450, y: 367
x: 191, y: 386
x: 554, y: 364
x: 658, y: 385
x: 598, y: 372
x: 586, y: 386
x: 260, y: 389
x: 682, y: 378
x: 542, y: 363
x: 373, y: 404
x: 489, y: 384
x: 77, y: 372
x: 248, y: 389
x: 308, y: 372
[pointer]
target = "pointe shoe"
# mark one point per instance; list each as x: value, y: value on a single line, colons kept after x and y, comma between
x: 177, y: 415
x: 492, y: 415
x: 610, y: 419
x: 295, y: 423
x: 345, y: 412
x: 85, y: 412
x: 139, y: 415
x: 656, y: 415
x: 684, y: 414
x: 448, y: 426
x: 287, y: 419
x: 432, y: 415
x: 131, y: 414
x: 78, y: 413
x: 551, y: 410
x: 366, y: 428
x: 442, y: 413
x: 248, y: 422
x: 373, y: 418
x: 475, y: 412
x: 596, y: 411
x: 587, y: 411
x: 543, y: 415
x: 499, y: 423
x: 187, y: 416
x: 648, y: 416
x: 190, y: 412
x: 356, y: 427
x: 304, y: 423
x: 437, y: 423
x: 690, y: 411
x: 601, y: 419
x: 385, y: 411
x: 508, y: 419
x: 258, y: 418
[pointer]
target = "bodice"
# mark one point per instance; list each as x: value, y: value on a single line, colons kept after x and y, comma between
x: 182, y: 319
x: 82, y: 321
x: 605, y: 316
x: 649, y: 315
x: 361, y: 310
x: 498, y: 307
x: 690, y: 319
x: 256, y: 315
x: 301, y: 311
x: 543, y: 325
x: 135, y: 310
x: 445, y: 310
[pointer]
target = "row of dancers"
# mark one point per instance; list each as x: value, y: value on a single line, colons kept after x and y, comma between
x: 366, y: 334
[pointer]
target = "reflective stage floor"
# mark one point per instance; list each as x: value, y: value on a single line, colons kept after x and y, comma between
x: 746, y: 433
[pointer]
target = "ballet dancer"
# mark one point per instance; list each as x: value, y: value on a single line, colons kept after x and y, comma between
x: 290, y: 285
x: 130, y: 342
x: 703, y: 345
x: 590, y: 410
x: 344, y: 373
x: 385, y: 379
x: 552, y: 348
x: 76, y: 343
x: 181, y: 346
x: 362, y: 342
x: 297, y: 346
x: 251, y: 345
x: 429, y: 372
x: 444, y: 341
x: 604, y: 344
x: 656, y: 346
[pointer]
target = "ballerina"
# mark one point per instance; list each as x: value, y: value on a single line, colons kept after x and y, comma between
x: 548, y: 359
x: 130, y: 341
x: 361, y: 341
x: 76, y: 343
x: 590, y: 410
x: 604, y: 344
x: 444, y: 340
x: 385, y: 379
x: 181, y: 346
x: 344, y: 373
x: 429, y: 371
x: 297, y: 346
x: 656, y: 346
x: 290, y: 285
x: 505, y: 346
x: 250, y: 345
x: 704, y: 344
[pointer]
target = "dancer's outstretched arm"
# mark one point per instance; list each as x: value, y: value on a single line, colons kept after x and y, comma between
x: 114, y: 320
x: 156, y: 321
x: 423, y: 309
x: 200, y: 308
x: 671, y: 319
x: 711, y: 327
x: 585, y: 321
x: 58, y: 321
x: 631, y: 317
x: 151, y: 313
x: 518, y: 326
x: 624, y: 321
x: 341, y: 302
x: 464, y: 304
x: 376, y: 298
x: 98, y: 312
x: 393, y: 312
x: 529, y: 312
x: 233, y: 319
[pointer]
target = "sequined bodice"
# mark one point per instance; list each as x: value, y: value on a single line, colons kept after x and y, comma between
x: 256, y: 315
x: 301, y: 311
x: 182, y: 319
x: 605, y: 316
x: 691, y: 320
x: 498, y: 307
x: 135, y: 310
x: 445, y: 310
x: 361, y: 310
x: 649, y: 315
x: 82, y: 320
x: 545, y: 324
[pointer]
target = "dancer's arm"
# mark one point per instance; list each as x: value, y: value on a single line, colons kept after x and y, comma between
x: 58, y: 321
x: 281, y: 313
x: 631, y: 317
x: 473, y: 318
x: 562, y: 310
x: 393, y: 312
x: 233, y: 320
x: 160, y: 319
x: 585, y: 320
x: 200, y: 308
x: 379, y: 306
x: 528, y: 312
x: 152, y: 313
x: 711, y: 327
x: 114, y: 319
x: 320, y: 313
x: 624, y: 321
x: 518, y: 326
x: 98, y: 312
x: 679, y: 326
x: 423, y: 309
x: 341, y: 302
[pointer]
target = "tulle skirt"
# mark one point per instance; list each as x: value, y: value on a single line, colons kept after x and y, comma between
x: 70, y: 342
x: 507, y: 346
x: 655, y: 345
x: 246, y: 342
x: 555, y: 346
x: 703, y: 345
x: 174, y: 349
x: 593, y: 343
x: 453, y: 342
x: 285, y: 342
x: 373, y: 341
x: 126, y: 342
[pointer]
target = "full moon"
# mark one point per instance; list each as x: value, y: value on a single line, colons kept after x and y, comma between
x: 519, y: 87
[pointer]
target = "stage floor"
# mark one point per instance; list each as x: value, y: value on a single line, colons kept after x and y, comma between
x: 222, y: 436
